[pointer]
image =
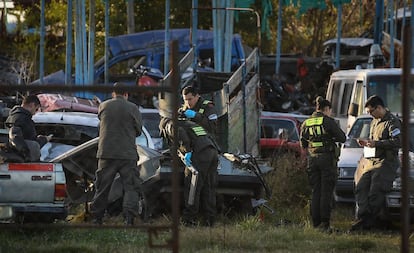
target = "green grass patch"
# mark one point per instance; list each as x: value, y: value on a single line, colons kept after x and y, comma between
x: 287, y: 230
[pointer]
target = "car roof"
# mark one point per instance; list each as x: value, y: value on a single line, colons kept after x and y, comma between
x: 70, y: 118
x: 296, y: 117
x: 351, y: 73
x: 353, y: 42
x: 148, y: 110
x: 60, y: 102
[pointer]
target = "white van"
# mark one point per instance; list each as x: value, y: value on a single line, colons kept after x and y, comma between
x: 348, y: 91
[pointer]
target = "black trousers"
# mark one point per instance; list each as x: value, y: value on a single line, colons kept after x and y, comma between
x: 322, y: 172
x: 371, y: 189
x: 206, y: 163
x: 107, y: 169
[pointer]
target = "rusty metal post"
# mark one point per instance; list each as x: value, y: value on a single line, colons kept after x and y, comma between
x: 175, y: 198
x: 406, y: 76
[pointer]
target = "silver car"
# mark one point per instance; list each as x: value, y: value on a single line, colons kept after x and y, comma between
x: 351, y: 152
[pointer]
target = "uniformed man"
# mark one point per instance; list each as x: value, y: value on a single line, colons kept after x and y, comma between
x: 380, y: 169
x: 120, y: 123
x: 199, y: 150
x: 199, y: 110
x: 319, y: 135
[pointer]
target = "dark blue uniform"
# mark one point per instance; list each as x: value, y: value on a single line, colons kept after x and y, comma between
x: 319, y: 135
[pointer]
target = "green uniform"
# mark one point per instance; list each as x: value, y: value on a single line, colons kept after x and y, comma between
x: 120, y: 123
x: 319, y: 135
x: 379, y: 171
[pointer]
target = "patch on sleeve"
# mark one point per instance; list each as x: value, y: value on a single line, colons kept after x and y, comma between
x: 395, y: 132
x: 212, y: 116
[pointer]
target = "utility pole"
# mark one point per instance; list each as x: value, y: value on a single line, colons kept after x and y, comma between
x: 130, y: 16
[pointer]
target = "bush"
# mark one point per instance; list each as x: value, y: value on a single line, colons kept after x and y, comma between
x: 290, y: 188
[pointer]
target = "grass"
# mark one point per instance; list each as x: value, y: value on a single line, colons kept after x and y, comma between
x: 246, y: 234
x: 287, y: 230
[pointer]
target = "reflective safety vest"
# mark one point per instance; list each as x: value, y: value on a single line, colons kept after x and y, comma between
x: 199, y: 131
x: 202, y: 108
x: 317, y: 134
x: 200, y: 139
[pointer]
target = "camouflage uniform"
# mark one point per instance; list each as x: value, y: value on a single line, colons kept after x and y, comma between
x: 319, y: 135
x: 379, y: 171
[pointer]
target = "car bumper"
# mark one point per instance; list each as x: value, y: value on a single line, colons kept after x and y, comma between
x: 394, y: 203
x: 344, y: 191
x: 394, y: 200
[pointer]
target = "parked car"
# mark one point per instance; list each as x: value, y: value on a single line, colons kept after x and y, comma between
x: 279, y: 133
x: 393, y: 199
x: 348, y: 160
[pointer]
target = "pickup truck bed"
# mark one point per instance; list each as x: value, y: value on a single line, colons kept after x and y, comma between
x: 35, y: 190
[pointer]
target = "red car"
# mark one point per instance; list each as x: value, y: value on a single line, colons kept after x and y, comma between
x: 279, y: 133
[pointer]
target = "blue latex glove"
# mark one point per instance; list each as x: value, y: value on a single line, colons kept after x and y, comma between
x: 187, y: 158
x: 190, y: 113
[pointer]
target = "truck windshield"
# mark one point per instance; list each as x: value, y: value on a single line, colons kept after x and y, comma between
x: 388, y: 87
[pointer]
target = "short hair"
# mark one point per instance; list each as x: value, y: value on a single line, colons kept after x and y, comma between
x: 31, y: 99
x: 321, y: 103
x: 119, y: 88
x: 189, y: 89
x: 374, y: 101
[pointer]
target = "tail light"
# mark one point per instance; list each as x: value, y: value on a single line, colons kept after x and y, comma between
x: 60, y: 192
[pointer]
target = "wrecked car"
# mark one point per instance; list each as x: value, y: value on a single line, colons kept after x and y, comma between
x: 240, y: 180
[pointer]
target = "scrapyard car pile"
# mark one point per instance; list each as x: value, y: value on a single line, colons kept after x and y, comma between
x: 65, y: 174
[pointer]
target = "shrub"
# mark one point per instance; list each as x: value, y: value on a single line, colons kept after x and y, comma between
x: 290, y: 188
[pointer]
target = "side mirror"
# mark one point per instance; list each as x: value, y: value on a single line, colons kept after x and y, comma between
x: 353, y: 109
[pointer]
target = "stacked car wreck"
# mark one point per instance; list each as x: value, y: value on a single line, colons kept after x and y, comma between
x: 234, y: 94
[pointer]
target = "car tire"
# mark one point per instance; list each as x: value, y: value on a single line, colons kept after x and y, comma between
x: 143, y: 210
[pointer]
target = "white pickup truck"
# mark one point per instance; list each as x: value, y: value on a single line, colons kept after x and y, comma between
x: 35, y: 191
x: 40, y: 191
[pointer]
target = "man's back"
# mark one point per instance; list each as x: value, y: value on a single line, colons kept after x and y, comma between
x: 120, y: 123
x: 22, y: 118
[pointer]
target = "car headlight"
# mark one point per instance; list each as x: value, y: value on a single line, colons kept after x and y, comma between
x: 347, y: 172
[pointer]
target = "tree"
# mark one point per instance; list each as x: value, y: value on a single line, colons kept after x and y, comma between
x: 302, y: 33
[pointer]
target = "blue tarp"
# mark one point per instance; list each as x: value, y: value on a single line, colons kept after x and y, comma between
x: 156, y: 38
